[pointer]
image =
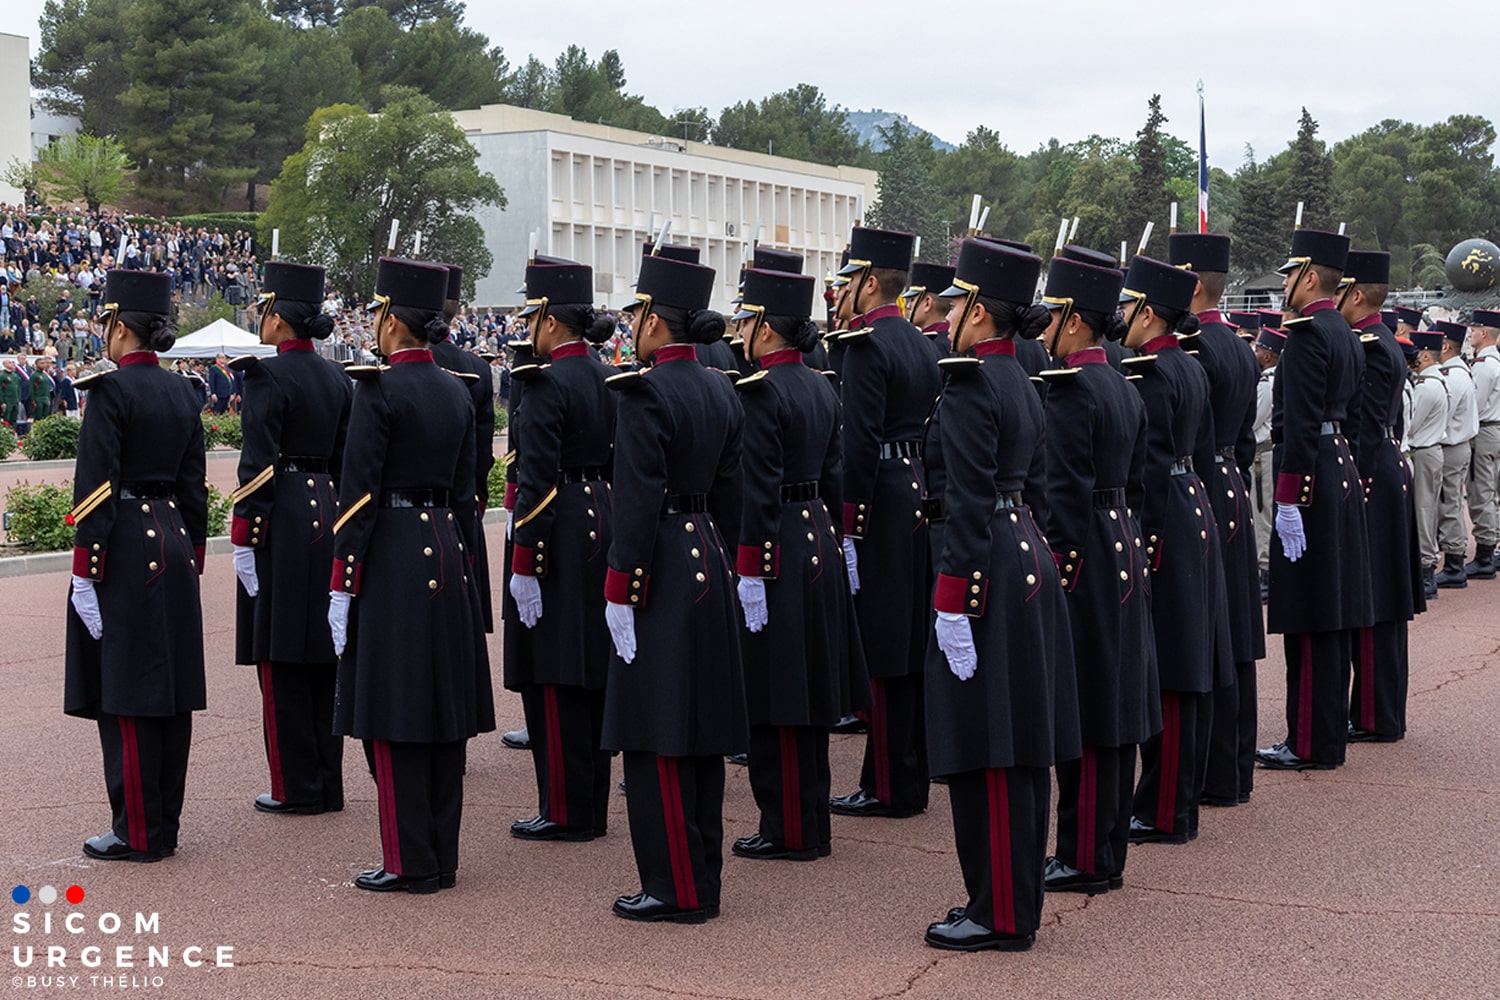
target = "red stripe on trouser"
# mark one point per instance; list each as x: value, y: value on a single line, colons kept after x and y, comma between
x: 1367, y: 678
x: 390, y: 838
x: 1303, y: 748
x: 791, y: 790
x: 1171, y: 753
x: 135, y: 796
x: 879, y: 726
x: 677, y: 846
x: 1003, y: 890
x: 268, y: 715
x: 1088, y: 782
x: 557, y: 782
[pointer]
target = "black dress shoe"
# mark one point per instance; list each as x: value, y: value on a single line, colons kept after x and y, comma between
x: 956, y: 914
x: 941, y: 779
x: 447, y: 880
x: 266, y: 804
x: 517, y: 739
x: 1281, y: 758
x: 742, y: 759
x: 537, y: 828
x: 381, y: 880
x: 108, y: 847
x: 649, y: 909
x: 1058, y: 877
x: 1218, y: 801
x: 1145, y: 833
x: 966, y: 935
x: 851, y: 724
x: 1357, y: 735
x: 758, y: 847
x: 1116, y: 882
x: 861, y: 803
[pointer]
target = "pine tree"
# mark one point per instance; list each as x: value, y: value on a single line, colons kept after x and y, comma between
x: 1262, y: 228
x: 909, y: 199
x: 1311, y: 180
x: 1149, y: 197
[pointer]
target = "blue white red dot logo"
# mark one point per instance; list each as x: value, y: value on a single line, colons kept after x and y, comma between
x: 46, y: 895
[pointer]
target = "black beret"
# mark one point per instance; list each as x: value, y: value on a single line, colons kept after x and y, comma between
x: 779, y: 293
x: 1199, y: 252
x: 1160, y: 284
x: 293, y: 282
x: 995, y: 272
x: 139, y: 291
x: 412, y: 284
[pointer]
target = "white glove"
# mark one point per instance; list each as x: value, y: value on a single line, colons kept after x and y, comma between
x: 86, y: 603
x: 621, y: 621
x: 527, y: 590
x: 851, y: 563
x: 956, y: 639
x: 510, y: 520
x: 753, y: 599
x: 1289, y: 527
x: 338, y: 619
x: 244, y: 568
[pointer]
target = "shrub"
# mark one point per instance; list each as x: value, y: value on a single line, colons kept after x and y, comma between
x: 210, y: 430
x: 219, y: 507
x: 52, y: 438
x: 8, y: 440
x: 497, y: 482
x: 37, y: 516
x: 502, y: 418
x: 227, y: 429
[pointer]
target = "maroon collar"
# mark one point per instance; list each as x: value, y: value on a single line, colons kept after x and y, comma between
x: 412, y: 355
x: 1371, y: 320
x: 994, y: 346
x: 879, y: 312
x: 785, y: 356
x: 1210, y: 316
x: 675, y: 352
x: 572, y: 349
x: 295, y: 344
x: 1087, y: 356
x: 939, y: 327
x: 1161, y: 343
x: 1318, y: 306
x: 139, y: 358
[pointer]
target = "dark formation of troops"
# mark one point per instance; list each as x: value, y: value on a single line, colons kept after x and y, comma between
x: 1004, y: 534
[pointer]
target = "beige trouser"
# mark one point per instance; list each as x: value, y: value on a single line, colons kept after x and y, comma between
x: 1427, y: 481
x: 1453, y: 533
x: 1482, y: 488
x: 1265, y: 506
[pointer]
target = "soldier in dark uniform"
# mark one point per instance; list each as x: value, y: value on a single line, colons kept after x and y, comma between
x: 675, y: 698
x: 1246, y: 326
x: 790, y: 561
x: 767, y: 259
x: 1181, y: 548
x: 296, y: 416
x: 414, y: 678
x: 140, y: 518
x: 925, y: 308
x: 1320, y: 578
x: 719, y: 354
x: 1096, y: 456
x: 1001, y: 702
x: 1030, y: 353
x: 888, y: 386
x: 1114, y: 350
x: 557, y: 645
x: 1223, y: 458
x: 1377, y: 705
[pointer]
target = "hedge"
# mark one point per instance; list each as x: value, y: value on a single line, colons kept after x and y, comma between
x: 38, y: 515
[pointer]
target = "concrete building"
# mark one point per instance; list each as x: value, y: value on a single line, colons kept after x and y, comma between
x: 47, y: 127
x: 15, y: 108
x: 595, y: 194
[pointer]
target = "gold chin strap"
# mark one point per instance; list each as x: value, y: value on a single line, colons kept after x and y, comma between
x: 639, y: 326
x: 381, y: 313
x: 1138, y: 301
x: 1067, y: 310
x: 760, y: 319
x: 534, y: 321
x: 971, y: 295
x: 1303, y: 264
x: 858, y: 280
x: 264, y: 303
x: 1346, y: 289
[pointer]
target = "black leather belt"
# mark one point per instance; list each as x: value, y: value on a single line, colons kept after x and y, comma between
x: 581, y: 474
x: 799, y: 492
x: 1226, y: 452
x: 1104, y: 499
x: 934, y: 509
x: 1182, y: 466
x: 302, y: 463
x: 414, y: 498
x: 900, y: 449
x: 685, y: 503
x: 1008, y: 501
x: 147, y: 491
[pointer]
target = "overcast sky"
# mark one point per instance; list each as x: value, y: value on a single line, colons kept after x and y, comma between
x: 1033, y: 70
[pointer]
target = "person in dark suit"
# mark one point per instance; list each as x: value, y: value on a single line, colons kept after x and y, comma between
x: 140, y: 519
x: 221, y: 384
x: 295, y: 422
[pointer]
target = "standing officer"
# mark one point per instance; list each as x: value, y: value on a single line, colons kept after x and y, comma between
x: 927, y: 311
x: 41, y: 389
x: 296, y: 417
x: 889, y: 383
x: 1484, y: 333
x: 1424, y: 445
x: 10, y: 393
x: 1268, y: 345
x: 140, y: 520
x: 1320, y: 580
x: 221, y: 384
x: 1458, y: 437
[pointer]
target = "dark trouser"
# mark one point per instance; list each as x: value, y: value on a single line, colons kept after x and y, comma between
x: 1378, y: 702
x: 895, y: 766
x: 1172, y: 763
x: 572, y: 773
x: 1317, y: 688
x: 306, y: 758
x: 1094, y: 798
x: 421, y: 797
x: 145, y: 772
x: 1000, y: 830
x: 1231, y: 742
x: 676, y: 810
x: 790, y: 777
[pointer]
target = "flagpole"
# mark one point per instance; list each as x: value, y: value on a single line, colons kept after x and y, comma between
x: 1202, y: 164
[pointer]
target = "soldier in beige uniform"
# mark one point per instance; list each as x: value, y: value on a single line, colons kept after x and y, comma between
x: 1484, y: 333
x: 1424, y: 442
x: 1462, y: 426
x: 1268, y: 345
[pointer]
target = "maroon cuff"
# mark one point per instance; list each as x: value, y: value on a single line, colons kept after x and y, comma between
x: 88, y: 562
x: 527, y: 561
x: 199, y: 551
x: 345, y: 578
x: 956, y: 595
x: 510, y: 496
x: 1294, y: 489
x: 239, y: 531
x: 856, y: 519
x: 763, y: 561
x: 626, y: 588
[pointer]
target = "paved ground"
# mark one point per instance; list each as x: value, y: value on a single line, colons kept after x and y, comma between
x: 1379, y: 880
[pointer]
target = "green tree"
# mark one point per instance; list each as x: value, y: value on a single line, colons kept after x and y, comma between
x: 1149, y: 196
x: 309, y: 12
x: 409, y: 13
x: 1370, y: 176
x: 21, y: 175
x: 1311, y: 180
x: 797, y: 123
x: 79, y: 68
x: 908, y: 193
x: 83, y: 168
x: 532, y: 86
x: 336, y: 198
x: 453, y: 65
x: 1261, y: 227
x: 983, y: 166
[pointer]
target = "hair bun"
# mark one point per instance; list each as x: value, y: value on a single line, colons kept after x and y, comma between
x: 435, y: 329
x: 320, y: 326
x: 598, y: 326
x: 1114, y: 327
x: 1032, y: 321
x: 705, y: 326
x: 1188, y: 324
x: 805, y: 337
x: 161, y: 334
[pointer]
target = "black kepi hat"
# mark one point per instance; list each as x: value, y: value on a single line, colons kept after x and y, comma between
x: 455, y: 281
x: 1310, y: 246
x: 1453, y: 331
x: 1411, y: 317
x: 1368, y: 267
x: 665, y: 281
x: 994, y: 272
x: 1083, y: 255
x: 882, y: 248
x: 776, y: 293
x: 1486, y: 317
x: 672, y: 251
x: 1271, y: 319
x: 1199, y: 252
x: 138, y: 291
x: 541, y: 259
x: 771, y: 259
x: 1271, y: 340
x: 1389, y: 318
x: 1072, y: 284
x: 410, y: 284
x: 1245, y: 321
x: 1428, y: 340
x: 1159, y: 284
x: 556, y: 285
x: 287, y: 282
x: 927, y: 279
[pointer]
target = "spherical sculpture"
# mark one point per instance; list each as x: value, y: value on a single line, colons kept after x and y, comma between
x: 1473, y: 266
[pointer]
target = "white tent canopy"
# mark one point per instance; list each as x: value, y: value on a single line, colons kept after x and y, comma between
x: 219, y: 337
